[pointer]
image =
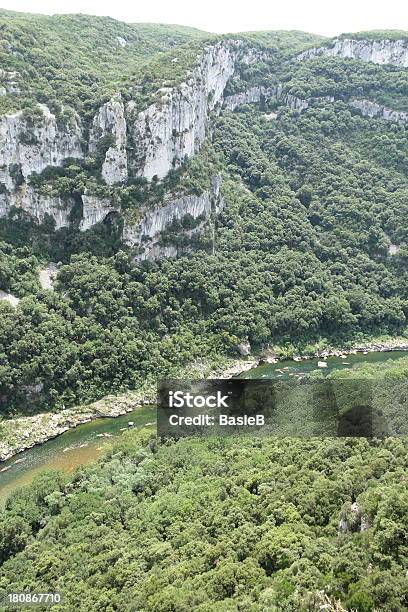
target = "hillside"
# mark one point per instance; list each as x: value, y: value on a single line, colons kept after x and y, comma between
x: 171, y: 201
x: 219, y: 525
x: 253, y: 190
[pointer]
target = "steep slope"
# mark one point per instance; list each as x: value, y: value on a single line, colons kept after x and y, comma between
x: 265, y: 189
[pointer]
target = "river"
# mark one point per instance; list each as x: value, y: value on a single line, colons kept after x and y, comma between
x: 85, y: 443
x: 79, y: 446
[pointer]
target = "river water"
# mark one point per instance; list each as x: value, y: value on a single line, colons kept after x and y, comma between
x: 79, y: 446
x: 85, y: 443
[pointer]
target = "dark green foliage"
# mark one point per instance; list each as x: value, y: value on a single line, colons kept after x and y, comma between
x: 77, y: 60
x: 210, y: 524
x: 299, y: 252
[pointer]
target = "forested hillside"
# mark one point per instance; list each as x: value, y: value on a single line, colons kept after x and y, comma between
x: 219, y: 525
x: 308, y: 244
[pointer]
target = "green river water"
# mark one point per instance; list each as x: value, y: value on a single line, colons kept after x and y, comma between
x: 86, y: 443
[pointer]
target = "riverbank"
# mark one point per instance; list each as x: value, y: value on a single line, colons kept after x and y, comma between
x: 382, y: 344
x: 22, y: 433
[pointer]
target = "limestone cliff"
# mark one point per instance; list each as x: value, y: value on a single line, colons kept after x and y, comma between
x: 367, y: 108
x: 147, y: 232
x: 27, y: 147
x: 173, y: 128
x: 377, y: 51
x: 110, y: 121
x: 255, y: 94
x: 37, y: 206
x: 94, y: 210
x: 373, y: 109
x: 150, y: 142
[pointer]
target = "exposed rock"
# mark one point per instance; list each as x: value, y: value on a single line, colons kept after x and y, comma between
x: 37, y: 205
x: 47, y: 275
x: 250, y: 96
x: 146, y: 233
x: 156, y: 251
x: 95, y: 210
x: 8, y: 297
x: 373, y: 109
x: 31, y: 148
x: 377, y: 51
x: 110, y: 121
x: 122, y: 42
x: 255, y: 94
x: 352, y: 519
x: 393, y: 249
x: 244, y: 349
x: 166, y: 132
x: 367, y: 108
x: 154, y: 222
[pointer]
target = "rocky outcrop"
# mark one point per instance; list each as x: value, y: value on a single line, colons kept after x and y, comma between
x: 10, y: 82
x: 147, y: 232
x: 393, y: 52
x: 47, y: 275
x: 94, y: 210
x: 173, y: 128
x: 110, y: 122
x: 154, y: 222
x: 367, y: 108
x: 373, y: 109
x: 36, y: 205
x: 26, y: 148
x: 252, y: 95
x: 9, y: 297
x: 255, y: 95
x: 352, y: 519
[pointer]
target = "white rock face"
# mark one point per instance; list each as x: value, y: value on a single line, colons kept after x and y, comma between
x: 146, y: 233
x: 122, y: 42
x: 255, y: 94
x: 372, y: 109
x: 366, y: 107
x: 166, y: 132
x: 8, y: 297
x: 95, y: 210
x: 156, y: 221
x: 110, y: 121
x: 393, y: 249
x: 47, y: 275
x: 250, y: 96
x: 379, y: 52
x: 37, y: 205
x: 50, y: 146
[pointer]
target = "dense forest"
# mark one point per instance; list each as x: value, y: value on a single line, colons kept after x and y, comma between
x: 276, y: 525
x: 299, y: 255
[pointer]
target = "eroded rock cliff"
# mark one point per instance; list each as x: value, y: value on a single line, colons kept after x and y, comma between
x: 30, y: 145
x: 149, y: 143
x: 377, y: 51
x: 110, y: 122
x: 175, y: 127
x: 146, y: 233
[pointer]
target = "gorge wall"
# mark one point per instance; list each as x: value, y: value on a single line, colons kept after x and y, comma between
x: 393, y: 52
x: 149, y: 143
